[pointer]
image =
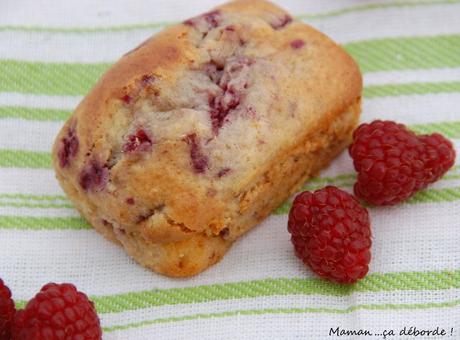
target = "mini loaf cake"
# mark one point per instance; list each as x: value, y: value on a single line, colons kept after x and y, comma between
x: 196, y: 135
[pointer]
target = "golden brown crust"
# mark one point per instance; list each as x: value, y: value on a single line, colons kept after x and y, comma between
x: 297, y: 101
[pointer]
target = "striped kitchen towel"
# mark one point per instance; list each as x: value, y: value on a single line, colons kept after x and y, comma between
x: 51, y: 52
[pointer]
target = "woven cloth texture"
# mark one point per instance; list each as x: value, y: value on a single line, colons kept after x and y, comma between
x: 52, y: 52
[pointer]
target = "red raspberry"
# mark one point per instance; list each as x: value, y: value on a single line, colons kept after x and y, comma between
x: 68, y: 148
x: 140, y: 141
x: 58, y: 311
x: 7, y: 311
x: 331, y: 234
x: 393, y: 163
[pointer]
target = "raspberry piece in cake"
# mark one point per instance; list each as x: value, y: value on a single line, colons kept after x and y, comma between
x: 223, y: 172
x: 126, y: 99
x: 68, y: 148
x: 281, y: 22
x: 198, y: 159
x: 298, y: 43
x: 94, y: 176
x: 233, y: 82
x: 139, y: 141
x: 214, y: 72
x: 205, y: 22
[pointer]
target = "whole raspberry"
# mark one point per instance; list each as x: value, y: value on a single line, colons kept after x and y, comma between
x: 393, y: 163
x: 7, y: 311
x: 58, y: 311
x: 331, y: 234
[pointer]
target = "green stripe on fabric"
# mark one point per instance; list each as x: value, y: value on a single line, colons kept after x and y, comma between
x: 406, y: 53
x: 350, y: 183
x: 435, y: 195
x: 424, y: 196
x: 34, y: 113
x: 282, y: 286
x: 49, y: 78
x: 448, y: 129
x: 369, y: 7
x: 42, y: 223
x: 24, y: 159
x: 313, y: 16
x: 35, y: 205
x: 410, y: 88
x: 372, y: 55
x: 34, y: 201
x: 80, y: 30
x: 34, y: 197
x: 402, y: 281
x: 266, y: 311
x: 348, y: 180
